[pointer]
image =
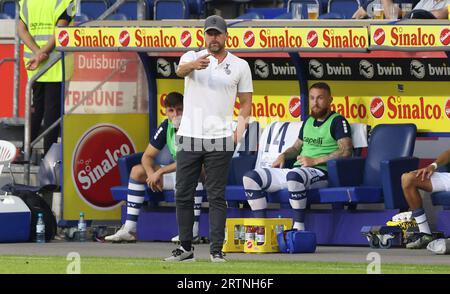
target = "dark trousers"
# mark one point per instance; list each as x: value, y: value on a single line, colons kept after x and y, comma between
x: 46, y: 105
x: 189, y: 165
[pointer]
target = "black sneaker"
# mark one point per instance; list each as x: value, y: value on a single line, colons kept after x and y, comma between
x: 419, y: 241
x: 182, y: 255
x: 217, y: 256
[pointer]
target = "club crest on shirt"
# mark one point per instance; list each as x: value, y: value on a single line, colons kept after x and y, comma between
x: 226, y: 69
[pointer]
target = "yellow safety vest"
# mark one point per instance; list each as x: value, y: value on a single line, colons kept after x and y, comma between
x: 41, y: 17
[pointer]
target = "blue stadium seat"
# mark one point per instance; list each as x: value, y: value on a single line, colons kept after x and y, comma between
x: 442, y: 199
x: 81, y: 18
x: 117, y: 16
x: 8, y: 7
x: 344, y: 7
x: 129, y: 9
x: 375, y: 179
x: 93, y: 8
x: 332, y: 15
x: 196, y: 8
x: 171, y: 9
x: 286, y: 15
x: 5, y: 16
x: 268, y: 13
x: 250, y: 15
x: 268, y: 140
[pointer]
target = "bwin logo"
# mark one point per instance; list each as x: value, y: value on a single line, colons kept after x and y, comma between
x: 163, y: 67
x: 261, y: 69
x: 417, y: 69
x: 366, y: 69
x: 315, y: 68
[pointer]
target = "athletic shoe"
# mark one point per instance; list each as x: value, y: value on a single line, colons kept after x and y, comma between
x: 420, y: 241
x: 122, y: 235
x: 217, y: 257
x: 181, y: 255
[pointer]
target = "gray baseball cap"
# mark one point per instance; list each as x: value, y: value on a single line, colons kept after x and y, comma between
x: 215, y: 22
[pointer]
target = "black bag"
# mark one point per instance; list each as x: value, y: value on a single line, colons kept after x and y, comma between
x: 33, y: 199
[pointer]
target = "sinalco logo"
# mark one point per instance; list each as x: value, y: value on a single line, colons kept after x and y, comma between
x: 94, y: 164
x: 417, y: 69
x: 377, y: 107
x: 366, y: 69
x: 63, y: 38
x: 316, y: 68
x: 163, y: 67
x: 447, y: 108
x: 261, y: 69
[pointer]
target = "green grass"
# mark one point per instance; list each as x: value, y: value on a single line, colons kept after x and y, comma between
x: 115, y: 265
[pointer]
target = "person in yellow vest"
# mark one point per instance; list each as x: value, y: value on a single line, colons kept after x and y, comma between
x: 36, y: 28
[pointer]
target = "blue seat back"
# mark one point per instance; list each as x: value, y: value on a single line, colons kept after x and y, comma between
x: 8, y: 7
x: 344, y: 7
x: 196, y: 7
x: 268, y: 13
x: 129, y: 9
x: 5, y: 16
x: 171, y: 9
x: 117, y: 16
x: 250, y: 15
x: 93, y: 8
x: 81, y: 18
x: 387, y: 141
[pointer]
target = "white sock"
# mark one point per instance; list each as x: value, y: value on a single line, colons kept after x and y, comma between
x: 422, y: 222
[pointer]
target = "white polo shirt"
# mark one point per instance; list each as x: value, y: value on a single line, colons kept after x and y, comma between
x: 210, y: 94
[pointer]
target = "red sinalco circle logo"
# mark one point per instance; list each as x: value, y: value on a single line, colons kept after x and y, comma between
x: 124, y: 38
x: 63, y: 38
x: 445, y: 36
x: 379, y: 36
x: 447, y: 108
x: 249, y: 38
x: 295, y: 106
x: 312, y: 38
x: 186, y: 38
x: 377, y: 107
x: 94, y: 163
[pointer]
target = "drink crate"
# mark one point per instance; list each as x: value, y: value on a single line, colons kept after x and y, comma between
x: 260, y: 234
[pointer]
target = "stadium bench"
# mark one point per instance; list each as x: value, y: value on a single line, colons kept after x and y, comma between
x: 375, y: 179
x: 276, y: 138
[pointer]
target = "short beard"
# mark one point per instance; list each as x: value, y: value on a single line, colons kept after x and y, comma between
x: 219, y: 49
x: 319, y: 114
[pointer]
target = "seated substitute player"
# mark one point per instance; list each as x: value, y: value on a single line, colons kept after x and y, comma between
x: 154, y: 176
x: 325, y: 135
x: 430, y: 181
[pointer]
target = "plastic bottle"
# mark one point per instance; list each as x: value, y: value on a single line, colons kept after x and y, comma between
x: 40, y: 228
x: 242, y: 234
x: 236, y: 234
x: 279, y: 228
x: 260, y: 237
x: 250, y: 233
x: 81, y: 228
